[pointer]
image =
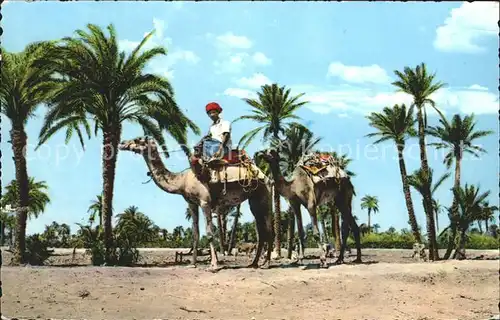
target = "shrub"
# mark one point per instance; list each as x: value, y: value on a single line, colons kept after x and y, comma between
x: 481, y: 241
x: 37, y: 251
x: 385, y: 240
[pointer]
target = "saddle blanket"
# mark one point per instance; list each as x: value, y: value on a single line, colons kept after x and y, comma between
x: 235, y: 173
x: 325, y: 172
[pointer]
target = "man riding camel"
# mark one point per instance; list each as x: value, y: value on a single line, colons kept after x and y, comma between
x: 217, y: 143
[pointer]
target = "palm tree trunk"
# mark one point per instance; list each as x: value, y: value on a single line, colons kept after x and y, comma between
x: 486, y: 225
x: 429, y: 213
x: 220, y: 228
x: 277, y: 223
x: 437, y: 222
x: 111, y: 138
x: 480, y: 225
x: 406, y: 190
x: 454, y: 209
x: 233, y: 230
x: 325, y: 232
x: 224, y: 230
x: 290, y: 232
x: 277, y: 212
x: 19, y: 138
x: 461, y: 243
x: 2, y: 233
x: 369, y: 220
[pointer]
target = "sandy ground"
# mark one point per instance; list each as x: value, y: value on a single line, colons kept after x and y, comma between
x: 389, y: 285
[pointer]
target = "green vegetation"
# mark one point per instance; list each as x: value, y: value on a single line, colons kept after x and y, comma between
x: 88, y: 78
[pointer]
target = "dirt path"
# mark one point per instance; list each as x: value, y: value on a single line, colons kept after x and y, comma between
x: 442, y: 290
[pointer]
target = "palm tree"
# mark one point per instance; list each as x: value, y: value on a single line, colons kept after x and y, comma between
x: 397, y: 124
x: 458, y: 138
x: 298, y: 142
x: 371, y: 203
x: 421, y: 85
x: 38, y: 197
x: 273, y: 109
x: 23, y: 88
x: 419, y: 181
x: 470, y: 204
x: 95, y: 209
x: 438, y: 208
x: 110, y: 87
x: 488, y: 213
x: 8, y: 221
x: 135, y: 226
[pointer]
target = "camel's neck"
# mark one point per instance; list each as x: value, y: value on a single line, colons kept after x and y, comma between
x: 166, y: 180
x: 283, y: 186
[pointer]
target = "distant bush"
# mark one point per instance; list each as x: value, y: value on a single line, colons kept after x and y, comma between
x: 481, y: 241
x: 385, y: 240
x: 397, y: 240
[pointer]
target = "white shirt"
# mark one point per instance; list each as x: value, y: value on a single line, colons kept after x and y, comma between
x: 217, y: 129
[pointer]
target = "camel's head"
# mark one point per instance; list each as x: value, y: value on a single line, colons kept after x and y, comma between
x: 138, y: 145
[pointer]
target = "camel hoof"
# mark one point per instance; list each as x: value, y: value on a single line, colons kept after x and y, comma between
x: 265, y: 265
x: 338, y: 262
x: 214, y: 269
x: 253, y: 265
x: 358, y: 260
x: 294, y: 262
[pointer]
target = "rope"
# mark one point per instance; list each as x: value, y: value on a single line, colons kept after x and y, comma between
x: 250, y: 174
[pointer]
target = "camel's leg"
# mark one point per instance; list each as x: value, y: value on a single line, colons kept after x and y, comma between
x: 196, y: 231
x: 259, y: 205
x: 355, y: 232
x: 316, y: 233
x: 300, y: 229
x: 345, y: 234
x: 268, y: 218
x: 207, y: 211
x: 344, y: 205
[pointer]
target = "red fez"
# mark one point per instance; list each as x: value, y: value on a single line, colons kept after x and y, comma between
x: 213, y: 106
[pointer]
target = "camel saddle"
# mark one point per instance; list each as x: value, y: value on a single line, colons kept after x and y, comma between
x: 236, y: 166
x: 321, y: 166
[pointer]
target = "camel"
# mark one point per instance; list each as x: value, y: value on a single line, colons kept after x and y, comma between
x: 302, y: 190
x: 212, y: 197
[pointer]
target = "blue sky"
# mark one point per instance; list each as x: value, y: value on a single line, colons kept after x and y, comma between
x: 342, y: 55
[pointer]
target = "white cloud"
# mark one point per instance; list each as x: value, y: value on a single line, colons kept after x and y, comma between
x: 231, y: 63
x: 186, y: 55
x: 231, y: 40
x: 466, y: 26
x: 233, y: 54
x: 358, y: 74
x: 354, y: 99
x: 162, y: 65
x: 478, y: 87
x: 260, y: 59
x: 239, y: 93
x: 254, y: 82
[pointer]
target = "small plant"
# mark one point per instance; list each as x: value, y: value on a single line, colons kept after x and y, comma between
x: 91, y: 239
x: 37, y: 251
